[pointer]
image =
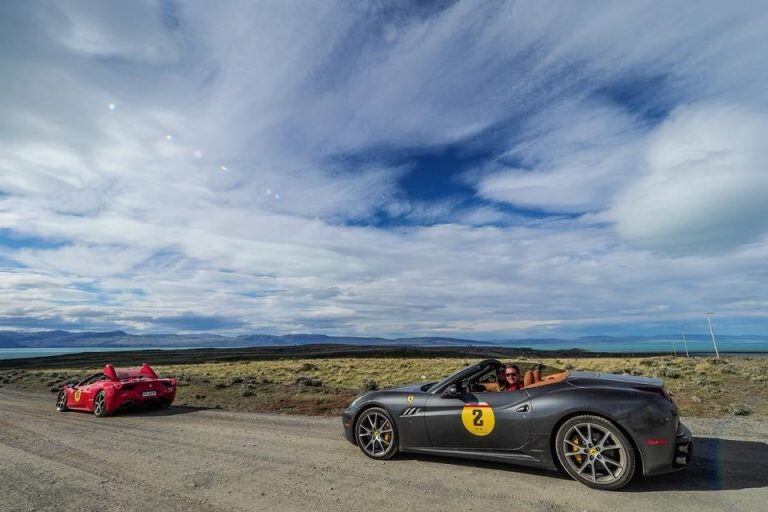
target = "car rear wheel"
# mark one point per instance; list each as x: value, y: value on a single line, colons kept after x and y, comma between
x: 100, y: 405
x: 376, y: 433
x: 594, y: 451
x: 61, y: 401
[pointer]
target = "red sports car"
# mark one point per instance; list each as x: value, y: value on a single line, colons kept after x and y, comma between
x: 113, y: 389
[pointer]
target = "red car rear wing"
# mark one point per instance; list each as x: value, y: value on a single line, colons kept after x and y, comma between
x: 145, y: 371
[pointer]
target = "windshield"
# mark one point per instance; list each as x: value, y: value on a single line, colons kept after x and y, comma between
x: 463, y: 373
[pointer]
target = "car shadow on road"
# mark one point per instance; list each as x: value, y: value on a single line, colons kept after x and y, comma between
x: 481, y: 464
x: 717, y: 464
x: 173, y: 410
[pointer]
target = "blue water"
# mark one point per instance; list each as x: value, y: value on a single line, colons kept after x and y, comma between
x: 660, y: 346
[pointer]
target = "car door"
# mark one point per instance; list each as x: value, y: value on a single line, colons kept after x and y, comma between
x: 492, y: 421
x: 81, y: 396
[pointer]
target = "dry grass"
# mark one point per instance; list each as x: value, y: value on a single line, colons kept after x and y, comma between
x: 704, y: 387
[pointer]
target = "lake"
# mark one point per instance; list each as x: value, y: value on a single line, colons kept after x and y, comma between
x: 659, y: 346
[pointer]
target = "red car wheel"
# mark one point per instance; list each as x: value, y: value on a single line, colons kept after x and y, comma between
x: 61, y: 401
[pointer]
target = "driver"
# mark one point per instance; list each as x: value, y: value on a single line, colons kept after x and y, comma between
x: 510, y: 378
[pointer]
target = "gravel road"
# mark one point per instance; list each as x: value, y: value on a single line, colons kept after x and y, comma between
x: 209, y: 460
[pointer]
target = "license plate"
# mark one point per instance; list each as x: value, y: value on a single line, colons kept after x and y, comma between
x: 149, y: 393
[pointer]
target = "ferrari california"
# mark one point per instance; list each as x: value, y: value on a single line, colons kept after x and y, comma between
x: 601, y: 429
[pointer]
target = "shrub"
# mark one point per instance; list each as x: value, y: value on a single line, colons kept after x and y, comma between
x: 220, y: 385
x: 668, y: 371
x: 702, y: 381
x: 246, y: 391
x: 370, y: 385
x: 740, y: 410
x: 234, y: 380
x: 309, y: 381
x: 307, y: 367
x: 702, y: 368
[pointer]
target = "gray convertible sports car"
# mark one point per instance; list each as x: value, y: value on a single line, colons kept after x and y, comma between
x: 600, y: 428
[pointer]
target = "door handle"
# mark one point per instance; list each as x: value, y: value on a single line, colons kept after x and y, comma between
x: 522, y: 408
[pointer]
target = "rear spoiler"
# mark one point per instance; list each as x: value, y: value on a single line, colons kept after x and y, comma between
x: 144, y: 371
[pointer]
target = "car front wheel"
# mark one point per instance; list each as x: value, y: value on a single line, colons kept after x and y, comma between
x: 61, y: 401
x: 594, y: 451
x: 376, y: 433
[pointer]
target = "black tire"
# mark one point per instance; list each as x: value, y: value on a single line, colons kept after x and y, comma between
x: 100, y: 410
x: 595, y: 452
x: 61, y: 401
x: 164, y: 404
x: 376, y: 434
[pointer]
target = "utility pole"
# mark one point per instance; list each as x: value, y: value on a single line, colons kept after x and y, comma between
x: 686, y: 346
x: 711, y: 332
x: 674, y: 350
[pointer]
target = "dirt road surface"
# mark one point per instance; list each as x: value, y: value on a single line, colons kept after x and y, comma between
x: 210, y: 460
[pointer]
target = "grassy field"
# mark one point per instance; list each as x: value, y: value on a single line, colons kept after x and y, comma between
x: 704, y: 387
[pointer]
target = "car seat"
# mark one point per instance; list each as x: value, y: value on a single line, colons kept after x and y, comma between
x: 528, y: 378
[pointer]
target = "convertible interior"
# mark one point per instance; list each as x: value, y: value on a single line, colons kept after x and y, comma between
x: 489, y: 380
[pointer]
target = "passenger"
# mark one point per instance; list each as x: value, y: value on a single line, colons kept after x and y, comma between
x: 511, y: 379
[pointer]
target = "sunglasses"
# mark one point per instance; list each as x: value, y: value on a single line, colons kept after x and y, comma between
x: 510, y: 374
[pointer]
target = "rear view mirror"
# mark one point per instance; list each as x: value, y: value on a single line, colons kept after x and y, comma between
x: 451, y: 392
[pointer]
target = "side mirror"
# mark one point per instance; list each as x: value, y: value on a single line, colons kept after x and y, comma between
x: 451, y: 391
x: 70, y: 385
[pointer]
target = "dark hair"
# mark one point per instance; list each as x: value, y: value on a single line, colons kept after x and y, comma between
x: 503, y: 369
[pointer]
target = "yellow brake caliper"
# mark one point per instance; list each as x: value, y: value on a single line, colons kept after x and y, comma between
x: 577, y: 457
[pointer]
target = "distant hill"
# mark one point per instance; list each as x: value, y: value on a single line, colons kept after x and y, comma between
x: 121, y: 339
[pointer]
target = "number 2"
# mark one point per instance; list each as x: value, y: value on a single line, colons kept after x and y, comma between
x: 478, y: 417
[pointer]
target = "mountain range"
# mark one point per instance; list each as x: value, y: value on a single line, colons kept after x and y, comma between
x: 121, y: 339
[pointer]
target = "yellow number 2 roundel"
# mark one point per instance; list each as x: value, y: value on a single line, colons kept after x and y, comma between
x: 478, y: 418
x: 77, y: 395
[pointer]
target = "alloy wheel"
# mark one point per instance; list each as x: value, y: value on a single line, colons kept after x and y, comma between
x: 595, y: 453
x: 100, y: 405
x: 375, y: 434
x: 61, y: 401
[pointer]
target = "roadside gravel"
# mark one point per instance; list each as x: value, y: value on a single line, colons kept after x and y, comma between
x: 186, y: 459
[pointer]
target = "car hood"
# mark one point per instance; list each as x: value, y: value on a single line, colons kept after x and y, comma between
x: 624, y: 379
x: 409, y: 387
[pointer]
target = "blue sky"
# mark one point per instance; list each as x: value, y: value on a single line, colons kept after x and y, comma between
x: 480, y: 169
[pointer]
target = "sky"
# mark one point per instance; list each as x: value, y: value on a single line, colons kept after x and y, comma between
x: 492, y: 170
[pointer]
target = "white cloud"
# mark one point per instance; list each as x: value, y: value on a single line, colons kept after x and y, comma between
x: 571, y: 158
x: 706, y: 183
x: 129, y: 225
